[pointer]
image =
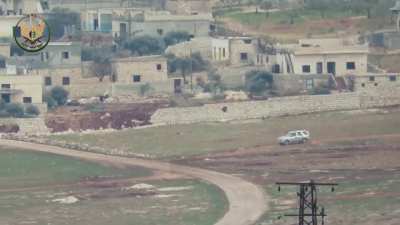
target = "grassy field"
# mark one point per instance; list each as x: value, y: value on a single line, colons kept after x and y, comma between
x: 19, y: 169
x: 31, y: 182
x: 283, y: 17
x: 198, y: 139
x: 367, y: 201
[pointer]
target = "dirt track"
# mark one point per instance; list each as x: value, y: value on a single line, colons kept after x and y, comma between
x: 247, y: 202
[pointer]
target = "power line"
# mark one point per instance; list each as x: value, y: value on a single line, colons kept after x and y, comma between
x: 309, y: 210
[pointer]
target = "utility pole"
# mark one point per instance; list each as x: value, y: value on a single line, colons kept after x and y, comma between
x: 309, y: 210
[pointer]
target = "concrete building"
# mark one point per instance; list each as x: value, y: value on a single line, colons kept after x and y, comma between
x: 376, y: 83
x: 135, y: 22
x: 60, y: 54
x: 331, y: 56
x: 136, y: 70
x: 21, y: 89
x: 236, y: 51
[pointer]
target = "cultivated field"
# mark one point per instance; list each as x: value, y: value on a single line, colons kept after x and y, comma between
x: 291, y: 25
x: 38, y: 188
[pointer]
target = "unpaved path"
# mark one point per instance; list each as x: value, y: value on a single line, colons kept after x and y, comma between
x: 247, y: 201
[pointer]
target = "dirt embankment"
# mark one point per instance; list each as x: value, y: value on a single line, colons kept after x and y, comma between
x: 110, y: 116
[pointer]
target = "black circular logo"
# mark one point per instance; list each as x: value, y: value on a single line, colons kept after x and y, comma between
x: 32, y: 33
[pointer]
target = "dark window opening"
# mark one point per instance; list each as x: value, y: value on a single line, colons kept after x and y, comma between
x: 47, y: 81
x: 371, y: 78
x: 160, y: 31
x: 136, y: 78
x: 351, y: 65
x: 65, y: 55
x: 392, y: 78
x: 27, y: 100
x: 159, y: 67
x: 65, y: 81
x: 276, y: 68
x: 2, y: 63
x: 362, y: 85
x: 5, y: 86
x: 243, y: 56
x: 306, y: 69
x: 376, y: 84
x: 247, y: 41
x: 212, y: 27
x: 319, y: 68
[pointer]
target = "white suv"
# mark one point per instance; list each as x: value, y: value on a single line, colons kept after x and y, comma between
x: 295, y: 137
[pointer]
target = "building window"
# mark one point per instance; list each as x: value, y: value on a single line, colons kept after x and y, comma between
x: 159, y: 67
x: 351, y: 65
x: 376, y: 84
x: 160, y: 31
x: 27, y: 100
x: 136, y: 78
x: 243, y: 56
x: 320, y: 68
x: 44, y: 56
x: 363, y: 85
x: 2, y: 63
x: 65, y: 81
x: 223, y: 52
x: 5, y: 86
x: 371, y: 78
x: 393, y: 78
x: 306, y: 68
x: 65, y: 55
x: 247, y: 41
x: 309, y: 84
x: 47, y: 81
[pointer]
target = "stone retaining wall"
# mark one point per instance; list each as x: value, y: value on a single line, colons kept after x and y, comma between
x: 27, y: 126
x: 270, y: 108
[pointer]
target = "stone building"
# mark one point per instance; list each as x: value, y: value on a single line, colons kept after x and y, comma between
x: 331, y: 56
x: 60, y: 54
x: 377, y: 83
x: 21, y: 89
x: 134, y: 72
x: 236, y: 51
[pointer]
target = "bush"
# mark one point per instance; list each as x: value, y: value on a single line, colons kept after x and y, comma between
x: 145, y: 89
x: 175, y: 37
x: 145, y: 45
x: 51, y: 103
x: 32, y: 110
x: 259, y: 82
x: 60, y: 95
x: 14, y: 110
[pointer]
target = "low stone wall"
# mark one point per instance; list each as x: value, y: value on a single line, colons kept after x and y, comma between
x: 27, y: 126
x: 270, y: 108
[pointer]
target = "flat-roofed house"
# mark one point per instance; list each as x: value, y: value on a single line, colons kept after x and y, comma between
x: 21, y: 89
x: 329, y: 56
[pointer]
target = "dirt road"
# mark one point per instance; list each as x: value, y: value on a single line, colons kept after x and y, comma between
x: 247, y: 202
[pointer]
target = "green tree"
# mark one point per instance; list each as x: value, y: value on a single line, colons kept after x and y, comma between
x: 175, y: 37
x: 32, y: 110
x: 59, y: 18
x: 259, y: 82
x: 319, y: 5
x: 101, y: 66
x: 14, y: 110
x: 60, y: 95
x: 145, y: 45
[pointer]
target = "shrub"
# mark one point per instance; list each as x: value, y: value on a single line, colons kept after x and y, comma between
x: 32, y: 110
x: 60, y: 95
x: 51, y: 103
x: 145, y: 89
x: 14, y: 110
x: 259, y: 82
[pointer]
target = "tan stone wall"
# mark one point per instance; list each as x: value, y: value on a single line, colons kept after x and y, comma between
x: 238, y: 46
x: 364, y: 85
x: 146, y: 67
x: 27, y: 126
x: 272, y: 108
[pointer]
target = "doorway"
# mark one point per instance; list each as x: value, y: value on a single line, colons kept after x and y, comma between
x: 331, y: 68
x: 178, y: 86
